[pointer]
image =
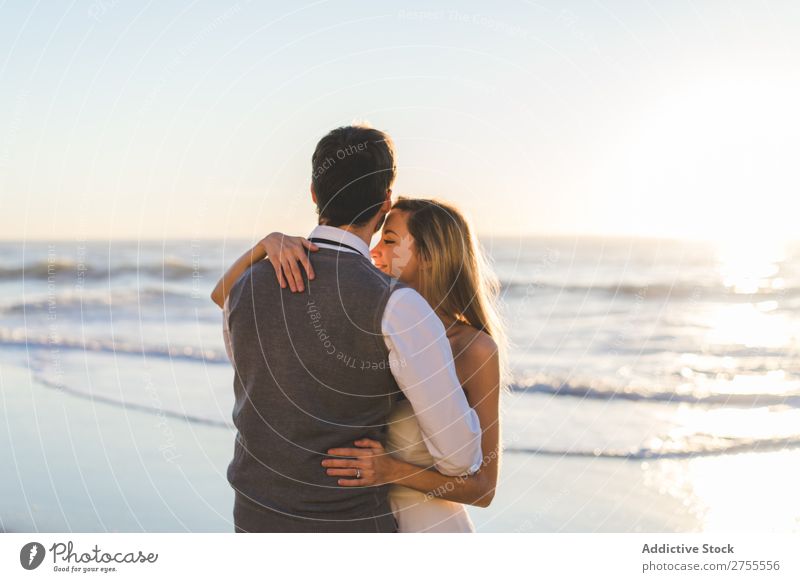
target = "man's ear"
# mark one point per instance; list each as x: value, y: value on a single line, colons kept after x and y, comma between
x: 313, y: 194
x: 387, y: 204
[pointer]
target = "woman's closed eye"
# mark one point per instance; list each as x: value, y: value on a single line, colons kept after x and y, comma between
x: 388, y: 241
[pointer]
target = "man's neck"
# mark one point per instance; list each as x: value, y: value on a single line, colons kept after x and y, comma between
x: 363, y: 232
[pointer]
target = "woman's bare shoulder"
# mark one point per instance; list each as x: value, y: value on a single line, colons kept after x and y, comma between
x: 478, y: 364
x: 475, y: 345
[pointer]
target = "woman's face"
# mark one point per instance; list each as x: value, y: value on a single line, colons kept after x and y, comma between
x: 396, y: 254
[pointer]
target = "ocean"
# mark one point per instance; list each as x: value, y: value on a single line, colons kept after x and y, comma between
x: 627, y: 350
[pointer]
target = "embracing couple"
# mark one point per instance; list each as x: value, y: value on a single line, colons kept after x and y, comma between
x: 367, y: 382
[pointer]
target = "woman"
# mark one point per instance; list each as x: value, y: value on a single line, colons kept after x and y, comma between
x: 428, y: 245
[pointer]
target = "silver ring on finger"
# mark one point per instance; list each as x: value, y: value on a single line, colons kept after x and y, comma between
x: 358, y: 473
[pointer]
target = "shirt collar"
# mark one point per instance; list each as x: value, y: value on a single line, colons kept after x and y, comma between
x: 342, y: 236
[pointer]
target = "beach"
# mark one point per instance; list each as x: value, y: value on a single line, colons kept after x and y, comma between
x: 77, y: 466
x: 73, y: 465
x: 654, y: 390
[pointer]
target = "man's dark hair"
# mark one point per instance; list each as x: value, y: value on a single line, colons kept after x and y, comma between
x: 352, y: 168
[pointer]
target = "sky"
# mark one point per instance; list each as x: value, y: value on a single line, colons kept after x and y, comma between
x: 197, y: 119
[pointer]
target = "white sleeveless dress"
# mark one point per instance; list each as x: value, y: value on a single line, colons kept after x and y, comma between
x: 415, y: 511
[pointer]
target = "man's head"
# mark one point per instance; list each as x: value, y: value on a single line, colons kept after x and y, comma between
x: 353, y: 169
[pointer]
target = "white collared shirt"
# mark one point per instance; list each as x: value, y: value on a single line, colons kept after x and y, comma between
x: 421, y: 362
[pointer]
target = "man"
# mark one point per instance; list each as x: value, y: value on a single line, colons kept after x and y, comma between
x: 321, y: 369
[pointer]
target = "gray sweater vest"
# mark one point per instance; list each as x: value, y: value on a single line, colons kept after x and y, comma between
x: 311, y: 373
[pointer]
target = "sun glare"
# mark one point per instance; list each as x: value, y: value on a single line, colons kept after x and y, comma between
x: 716, y: 159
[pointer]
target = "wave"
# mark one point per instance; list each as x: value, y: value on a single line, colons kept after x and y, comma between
x: 644, y: 395
x: 182, y: 270
x: 12, y: 339
x: 717, y: 446
x: 43, y: 270
x: 648, y: 291
x: 131, y: 405
x: 698, y: 445
x: 87, y: 302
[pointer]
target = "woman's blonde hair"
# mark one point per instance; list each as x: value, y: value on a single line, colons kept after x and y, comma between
x: 455, y: 277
